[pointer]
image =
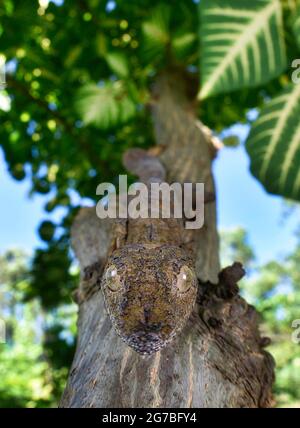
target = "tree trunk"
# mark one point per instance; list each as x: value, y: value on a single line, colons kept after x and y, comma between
x: 218, y: 359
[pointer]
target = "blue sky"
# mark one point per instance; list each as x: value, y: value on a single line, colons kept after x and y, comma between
x: 20, y: 214
x: 242, y: 201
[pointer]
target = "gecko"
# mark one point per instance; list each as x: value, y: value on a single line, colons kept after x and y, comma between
x: 148, y: 278
x: 149, y: 282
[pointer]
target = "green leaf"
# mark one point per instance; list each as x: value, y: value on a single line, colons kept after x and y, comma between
x: 242, y: 44
x: 18, y: 172
x: 182, y: 43
x: 296, y: 26
x: 47, y: 230
x: 72, y: 56
x: 231, y: 141
x: 118, y: 63
x: 274, y: 144
x: 156, y: 31
x: 105, y: 106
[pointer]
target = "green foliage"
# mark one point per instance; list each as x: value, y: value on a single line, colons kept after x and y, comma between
x: 118, y: 64
x: 51, y: 277
x: 39, y: 345
x: 105, y: 106
x: 22, y: 374
x: 157, y: 31
x: 247, y: 45
x: 242, y: 44
x: 296, y: 25
x: 168, y: 36
x: 231, y: 141
x: 274, y: 144
x: 47, y: 230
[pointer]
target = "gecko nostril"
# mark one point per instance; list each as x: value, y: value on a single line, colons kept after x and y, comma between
x: 147, y: 326
x: 152, y: 328
x: 155, y: 327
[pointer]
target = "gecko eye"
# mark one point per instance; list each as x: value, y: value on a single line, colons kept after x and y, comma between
x: 185, y: 279
x: 113, y: 279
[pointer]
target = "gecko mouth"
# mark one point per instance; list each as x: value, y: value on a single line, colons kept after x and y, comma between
x: 145, y: 343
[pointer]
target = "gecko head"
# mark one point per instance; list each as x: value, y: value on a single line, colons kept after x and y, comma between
x: 149, y: 292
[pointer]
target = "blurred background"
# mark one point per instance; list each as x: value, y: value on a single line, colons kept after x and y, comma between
x: 57, y: 144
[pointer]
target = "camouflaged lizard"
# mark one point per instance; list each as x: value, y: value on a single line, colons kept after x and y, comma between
x: 148, y: 282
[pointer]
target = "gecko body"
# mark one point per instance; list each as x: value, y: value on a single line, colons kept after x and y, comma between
x: 149, y: 282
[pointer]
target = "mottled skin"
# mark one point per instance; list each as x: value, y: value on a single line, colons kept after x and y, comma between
x: 149, y: 283
x: 152, y: 294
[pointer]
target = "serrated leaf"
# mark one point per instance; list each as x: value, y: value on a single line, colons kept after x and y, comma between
x: 105, y: 106
x: 118, y: 63
x: 242, y: 44
x: 296, y: 27
x: 274, y: 144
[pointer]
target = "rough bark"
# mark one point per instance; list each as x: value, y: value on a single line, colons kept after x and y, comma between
x: 218, y: 360
x: 187, y: 155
